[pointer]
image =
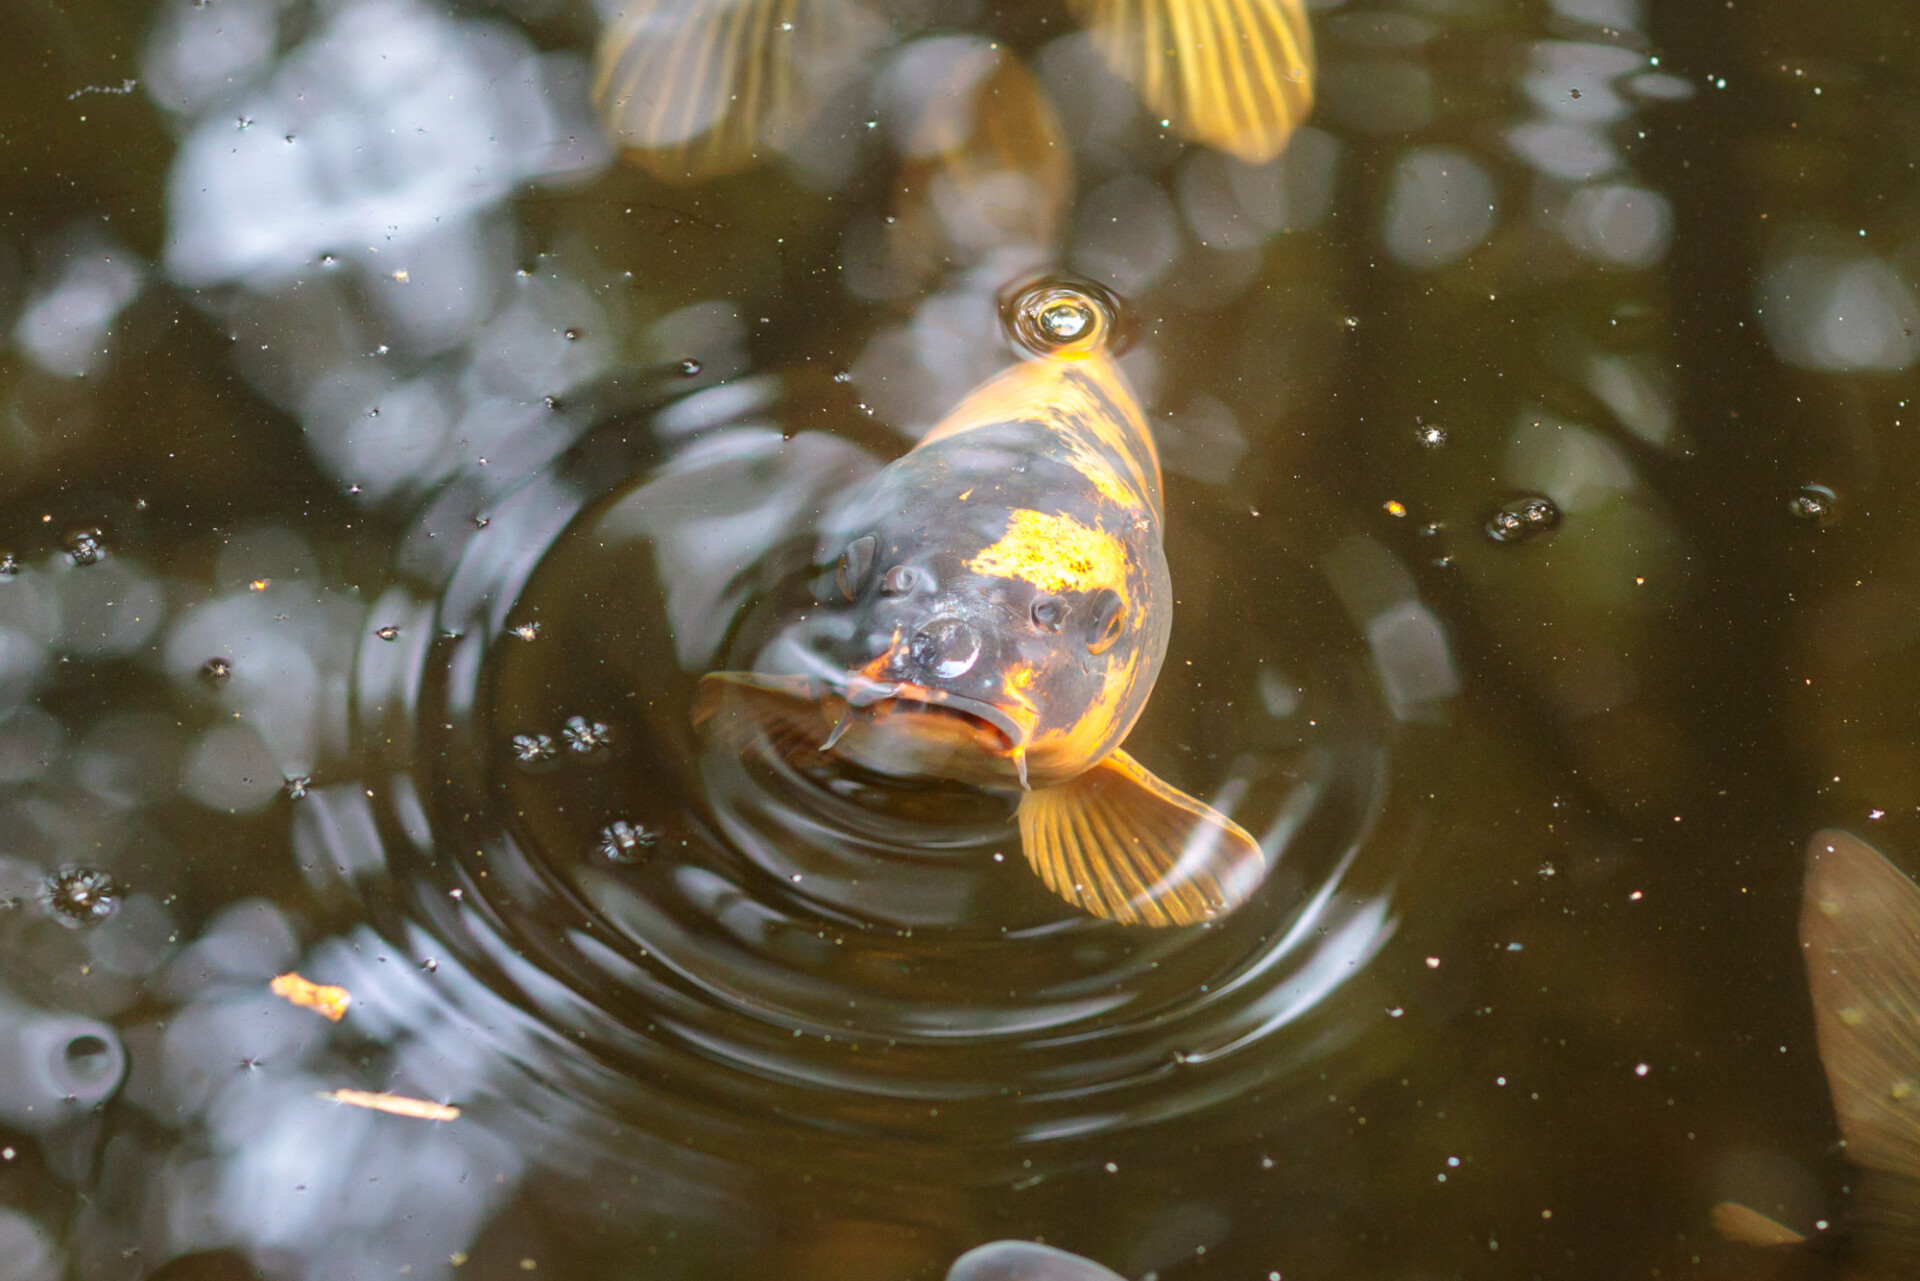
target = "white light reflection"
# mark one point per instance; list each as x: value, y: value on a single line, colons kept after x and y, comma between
x: 1839, y: 313
x: 1439, y: 208
x: 65, y: 325
x: 390, y: 121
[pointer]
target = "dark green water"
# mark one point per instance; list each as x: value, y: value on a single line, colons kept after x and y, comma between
x: 323, y: 319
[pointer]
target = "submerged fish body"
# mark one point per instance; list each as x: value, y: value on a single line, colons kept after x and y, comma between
x: 996, y: 614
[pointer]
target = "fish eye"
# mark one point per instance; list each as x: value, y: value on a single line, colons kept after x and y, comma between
x: 899, y: 581
x: 1049, y: 613
x: 855, y: 564
x: 1105, y: 615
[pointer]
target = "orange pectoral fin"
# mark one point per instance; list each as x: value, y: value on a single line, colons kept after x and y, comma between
x: 1123, y: 844
x: 786, y: 713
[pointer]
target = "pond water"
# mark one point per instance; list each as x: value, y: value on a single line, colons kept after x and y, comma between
x: 387, y: 449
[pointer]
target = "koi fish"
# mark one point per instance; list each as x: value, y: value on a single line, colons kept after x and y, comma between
x: 997, y: 615
x: 699, y: 88
x: 1025, y: 1261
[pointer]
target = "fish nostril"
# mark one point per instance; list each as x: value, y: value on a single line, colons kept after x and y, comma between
x: 946, y: 648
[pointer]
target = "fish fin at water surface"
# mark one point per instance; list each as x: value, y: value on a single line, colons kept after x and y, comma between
x: 1234, y: 74
x: 744, y: 709
x: 1860, y: 933
x: 700, y: 88
x: 1121, y: 843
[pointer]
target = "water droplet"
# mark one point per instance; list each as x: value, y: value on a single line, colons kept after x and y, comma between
x: 584, y: 736
x: 80, y: 896
x: 1432, y: 435
x: 297, y: 785
x: 688, y: 368
x: 1815, y: 505
x: 1062, y: 317
x: 625, y: 843
x: 571, y: 335
x: 1523, y: 518
x: 216, y: 670
x: 388, y: 633
x: 531, y: 749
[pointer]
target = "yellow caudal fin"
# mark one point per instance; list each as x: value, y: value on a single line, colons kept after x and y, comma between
x: 1860, y: 934
x: 700, y: 88
x: 745, y: 709
x: 1234, y: 74
x: 1120, y: 843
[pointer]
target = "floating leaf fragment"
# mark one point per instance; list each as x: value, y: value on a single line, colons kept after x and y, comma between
x: 323, y: 999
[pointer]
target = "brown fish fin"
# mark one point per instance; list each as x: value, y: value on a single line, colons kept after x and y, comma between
x: 1860, y: 933
x: 1234, y: 74
x: 699, y: 88
x: 789, y: 714
x: 1121, y: 843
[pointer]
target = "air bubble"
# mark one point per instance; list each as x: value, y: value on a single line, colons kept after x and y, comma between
x: 1063, y: 318
x: 531, y: 749
x: 1523, y: 518
x: 571, y: 335
x: 1814, y: 505
x: 688, y: 368
x: 86, y: 547
x: 80, y: 896
x: 625, y: 843
x: 584, y: 736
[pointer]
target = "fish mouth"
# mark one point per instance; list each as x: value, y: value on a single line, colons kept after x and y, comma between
x: 863, y: 692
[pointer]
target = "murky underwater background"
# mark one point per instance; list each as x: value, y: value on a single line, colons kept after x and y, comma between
x: 382, y: 459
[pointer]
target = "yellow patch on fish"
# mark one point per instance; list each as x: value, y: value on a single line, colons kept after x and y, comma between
x: 1056, y: 553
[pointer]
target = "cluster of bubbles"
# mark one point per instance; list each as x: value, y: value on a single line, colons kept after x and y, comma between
x: 1523, y: 518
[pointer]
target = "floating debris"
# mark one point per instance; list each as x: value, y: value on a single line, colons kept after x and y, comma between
x: 530, y: 749
x: 324, y: 999
x: 584, y: 736
x: 1522, y: 519
x: 215, y: 671
x: 297, y: 786
x: 1432, y: 435
x: 80, y: 896
x: 1748, y: 1226
x: 528, y: 631
x: 8, y: 565
x: 626, y: 843
x: 689, y: 368
x: 394, y: 1104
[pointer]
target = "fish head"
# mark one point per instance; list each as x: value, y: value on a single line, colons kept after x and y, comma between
x: 1025, y: 645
